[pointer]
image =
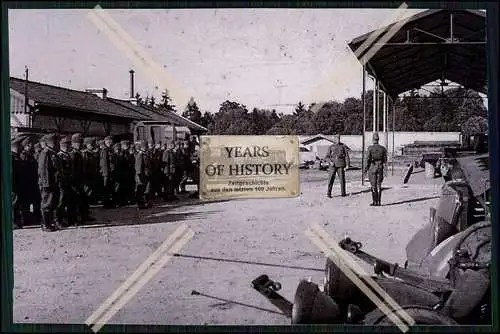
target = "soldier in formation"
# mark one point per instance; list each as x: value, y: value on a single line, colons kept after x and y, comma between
x: 55, y: 180
x: 376, y: 162
x: 338, y: 158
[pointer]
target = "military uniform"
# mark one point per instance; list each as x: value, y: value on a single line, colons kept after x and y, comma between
x: 32, y: 195
x: 156, y: 156
x: 169, y: 172
x: 375, y: 161
x: 18, y: 184
x: 338, y: 156
x: 142, y: 177
x: 107, y: 167
x: 66, y: 208
x: 186, y: 167
x: 127, y: 172
x: 48, y: 181
x: 180, y: 167
x: 90, y: 170
x: 195, y: 163
x: 79, y: 177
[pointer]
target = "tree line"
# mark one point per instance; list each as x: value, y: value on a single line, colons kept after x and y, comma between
x: 454, y: 109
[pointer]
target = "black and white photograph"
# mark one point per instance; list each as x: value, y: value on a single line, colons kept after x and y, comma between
x: 108, y: 112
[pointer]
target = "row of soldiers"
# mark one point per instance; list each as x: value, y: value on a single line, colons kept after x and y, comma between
x: 59, y: 178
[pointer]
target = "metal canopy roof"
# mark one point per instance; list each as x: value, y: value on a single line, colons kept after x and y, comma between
x: 437, y: 44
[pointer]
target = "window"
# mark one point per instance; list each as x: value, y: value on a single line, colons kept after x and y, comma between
x: 140, y: 133
x: 303, y: 149
x: 156, y: 134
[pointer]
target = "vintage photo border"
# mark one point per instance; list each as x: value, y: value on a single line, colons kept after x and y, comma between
x: 6, y: 260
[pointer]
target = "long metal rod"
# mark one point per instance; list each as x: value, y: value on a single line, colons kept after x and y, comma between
x: 393, y: 130
x: 363, y: 101
x: 386, y: 112
x: 451, y: 27
x: 378, y: 106
x: 374, y: 121
x: 430, y: 43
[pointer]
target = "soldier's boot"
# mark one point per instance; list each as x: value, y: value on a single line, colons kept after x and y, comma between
x: 47, y: 223
x: 379, y: 198
x: 374, y: 197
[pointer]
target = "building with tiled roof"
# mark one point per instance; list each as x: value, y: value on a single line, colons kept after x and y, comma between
x: 40, y: 107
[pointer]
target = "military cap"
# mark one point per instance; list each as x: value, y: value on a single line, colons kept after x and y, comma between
x: 65, y: 140
x: 100, y: 142
x: 375, y: 136
x: 77, y: 138
x: 26, y: 141
x: 88, y: 140
x: 116, y: 146
x: 18, y: 140
x: 108, y: 138
x: 124, y: 142
x: 50, y: 138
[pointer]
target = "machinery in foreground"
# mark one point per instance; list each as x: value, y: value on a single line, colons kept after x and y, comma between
x: 444, y: 281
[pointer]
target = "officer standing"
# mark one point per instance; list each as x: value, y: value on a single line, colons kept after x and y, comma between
x: 48, y: 181
x: 180, y: 166
x: 79, y: 177
x: 30, y: 176
x: 195, y: 163
x: 142, y: 176
x: 375, y: 164
x: 338, y: 157
x: 127, y: 173
x: 18, y: 183
x: 156, y: 156
x: 169, y: 172
x: 107, y: 170
x: 66, y: 207
x: 90, y: 169
x: 186, y: 170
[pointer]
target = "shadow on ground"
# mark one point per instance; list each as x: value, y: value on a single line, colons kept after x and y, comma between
x: 412, y: 200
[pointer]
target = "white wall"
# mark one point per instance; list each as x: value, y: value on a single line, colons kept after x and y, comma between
x: 354, y: 142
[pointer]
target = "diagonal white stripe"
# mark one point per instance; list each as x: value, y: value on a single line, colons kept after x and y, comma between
x: 136, y: 54
x: 359, y: 271
x: 356, y: 280
x: 156, y: 267
x: 135, y: 276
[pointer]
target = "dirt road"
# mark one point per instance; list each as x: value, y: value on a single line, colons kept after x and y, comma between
x: 63, y: 277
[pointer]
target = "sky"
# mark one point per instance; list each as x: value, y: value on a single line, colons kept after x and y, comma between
x: 264, y: 58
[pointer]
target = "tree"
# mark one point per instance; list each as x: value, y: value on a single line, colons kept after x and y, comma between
x: 192, y: 112
x: 232, y: 119
x: 207, y: 120
x: 152, y: 103
x: 166, y: 102
x: 139, y: 100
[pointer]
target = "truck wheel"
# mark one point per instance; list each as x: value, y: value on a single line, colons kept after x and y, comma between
x: 421, y: 314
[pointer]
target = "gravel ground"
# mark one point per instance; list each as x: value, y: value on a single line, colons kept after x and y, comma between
x: 63, y: 277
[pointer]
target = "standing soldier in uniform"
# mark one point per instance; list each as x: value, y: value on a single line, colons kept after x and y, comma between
x: 338, y: 158
x: 118, y: 171
x: 132, y: 151
x: 30, y: 176
x: 48, y: 181
x: 107, y: 171
x: 66, y: 207
x: 180, y: 166
x: 37, y: 148
x: 127, y: 172
x: 18, y: 184
x: 169, y: 172
x: 186, y: 170
x: 156, y: 156
x: 142, y: 176
x: 89, y: 170
x: 79, y: 177
x: 195, y: 163
x: 376, y: 161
